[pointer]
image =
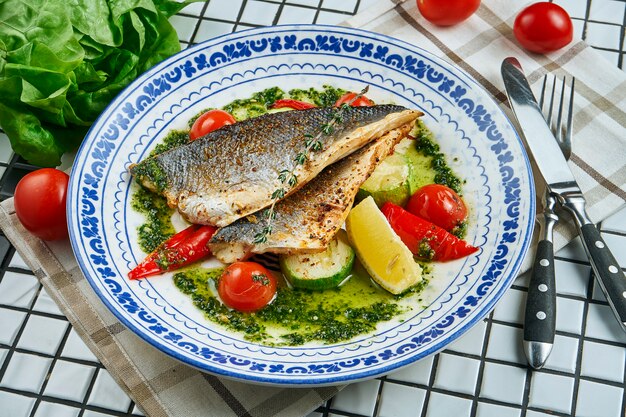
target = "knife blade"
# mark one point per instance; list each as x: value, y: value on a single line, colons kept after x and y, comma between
x: 563, y: 185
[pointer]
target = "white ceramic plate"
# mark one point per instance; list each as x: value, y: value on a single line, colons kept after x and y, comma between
x: 479, y: 141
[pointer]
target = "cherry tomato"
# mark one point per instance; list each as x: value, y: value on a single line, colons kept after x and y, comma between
x: 246, y: 286
x: 447, y: 12
x: 210, y: 121
x: 439, y: 205
x: 39, y: 200
x: 543, y: 27
x: 361, y: 101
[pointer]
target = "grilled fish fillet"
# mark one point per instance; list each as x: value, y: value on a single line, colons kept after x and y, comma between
x: 308, y: 220
x: 233, y: 171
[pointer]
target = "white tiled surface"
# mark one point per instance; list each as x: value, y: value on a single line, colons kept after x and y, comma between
x: 42, y: 334
x: 558, y: 398
x: 106, y: 393
x: 401, y: 400
x: 25, y: 372
x: 603, y: 361
x: 15, y: 405
x: 18, y: 289
x: 80, y: 375
x: 5, y: 148
x: 75, y: 349
x: 483, y: 374
x: 47, y: 409
x: 358, y: 398
x: 444, y: 405
x: 598, y: 400
x: 564, y: 354
x: 450, y: 367
x: 493, y: 387
x: 493, y: 410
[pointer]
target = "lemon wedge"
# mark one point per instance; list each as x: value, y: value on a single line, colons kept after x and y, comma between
x: 387, y: 259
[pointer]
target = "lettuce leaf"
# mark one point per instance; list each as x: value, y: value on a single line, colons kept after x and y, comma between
x: 63, y: 61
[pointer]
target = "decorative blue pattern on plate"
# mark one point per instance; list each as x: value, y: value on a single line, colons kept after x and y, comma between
x: 479, y: 141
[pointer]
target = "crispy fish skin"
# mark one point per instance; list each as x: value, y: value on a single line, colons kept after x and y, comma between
x: 233, y: 171
x: 308, y: 220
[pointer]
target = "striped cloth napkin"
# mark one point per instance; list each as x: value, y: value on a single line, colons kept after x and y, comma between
x: 164, y: 387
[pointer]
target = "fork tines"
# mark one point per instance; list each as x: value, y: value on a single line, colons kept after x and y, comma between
x: 562, y: 132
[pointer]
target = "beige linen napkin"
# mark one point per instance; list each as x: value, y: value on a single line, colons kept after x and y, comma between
x: 165, y: 387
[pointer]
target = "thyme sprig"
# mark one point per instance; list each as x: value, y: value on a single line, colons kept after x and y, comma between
x: 288, y: 178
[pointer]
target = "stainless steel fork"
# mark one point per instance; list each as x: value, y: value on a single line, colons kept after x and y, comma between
x: 539, y: 334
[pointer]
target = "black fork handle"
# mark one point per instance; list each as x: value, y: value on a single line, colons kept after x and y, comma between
x: 607, y: 271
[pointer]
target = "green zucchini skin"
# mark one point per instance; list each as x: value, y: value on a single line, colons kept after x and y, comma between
x: 320, y: 271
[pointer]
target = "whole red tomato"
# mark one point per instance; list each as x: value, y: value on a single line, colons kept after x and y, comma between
x: 543, y: 27
x: 39, y: 201
x: 447, y: 12
x: 439, y: 205
x: 246, y: 286
x: 210, y: 121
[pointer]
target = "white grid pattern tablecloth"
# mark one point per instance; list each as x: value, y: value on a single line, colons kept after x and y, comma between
x: 47, y: 371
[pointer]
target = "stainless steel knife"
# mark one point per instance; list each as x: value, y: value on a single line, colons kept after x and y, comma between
x: 563, y: 186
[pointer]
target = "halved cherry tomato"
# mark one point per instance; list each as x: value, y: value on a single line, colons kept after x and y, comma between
x: 424, y: 239
x: 291, y: 103
x: 543, y: 27
x: 348, y: 97
x: 439, y: 205
x: 39, y: 200
x: 246, y: 286
x: 210, y: 121
x: 447, y: 12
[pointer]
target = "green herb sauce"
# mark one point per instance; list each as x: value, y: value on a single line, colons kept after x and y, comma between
x: 295, y: 316
x: 254, y: 106
x: 427, y: 146
x: 299, y: 316
x: 321, y: 98
x: 151, y: 170
x: 172, y: 140
x: 158, y: 225
x: 259, y: 103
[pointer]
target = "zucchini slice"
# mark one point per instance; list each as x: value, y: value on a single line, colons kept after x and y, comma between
x: 388, y: 182
x: 320, y: 271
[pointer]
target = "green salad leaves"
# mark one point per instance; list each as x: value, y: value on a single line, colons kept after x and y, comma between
x: 63, y: 61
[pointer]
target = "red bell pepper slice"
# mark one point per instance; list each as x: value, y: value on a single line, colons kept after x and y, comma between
x: 182, y: 249
x: 293, y: 104
x: 424, y: 239
x: 354, y: 101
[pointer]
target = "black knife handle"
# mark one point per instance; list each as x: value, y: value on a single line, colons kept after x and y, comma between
x: 606, y: 269
x: 540, y: 317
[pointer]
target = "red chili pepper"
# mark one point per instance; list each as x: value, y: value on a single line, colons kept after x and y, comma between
x: 182, y: 249
x: 424, y: 239
x: 351, y: 98
x: 293, y: 104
